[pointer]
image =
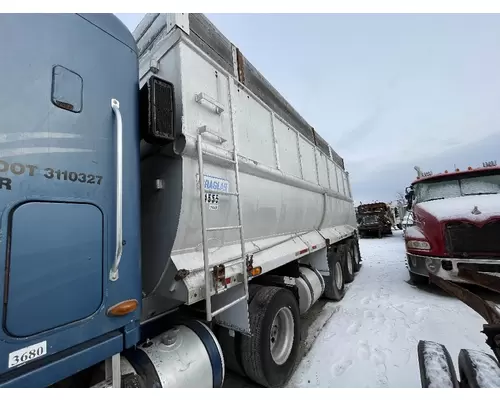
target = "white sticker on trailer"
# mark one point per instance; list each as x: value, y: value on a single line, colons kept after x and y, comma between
x: 214, y: 183
x: 27, y: 354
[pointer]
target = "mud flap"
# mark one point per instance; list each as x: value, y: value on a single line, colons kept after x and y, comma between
x: 236, y: 317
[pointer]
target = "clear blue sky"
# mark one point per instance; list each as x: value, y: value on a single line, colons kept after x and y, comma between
x: 387, y: 91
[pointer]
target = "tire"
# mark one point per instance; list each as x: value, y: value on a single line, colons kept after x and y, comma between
x: 334, y: 283
x: 356, y: 255
x: 252, y: 291
x: 478, y: 370
x: 418, y: 280
x: 231, y: 345
x: 257, y: 357
x: 349, y: 264
x: 231, y: 349
x: 436, y: 366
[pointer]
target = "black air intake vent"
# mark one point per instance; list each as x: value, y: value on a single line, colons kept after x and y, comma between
x: 157, y: 119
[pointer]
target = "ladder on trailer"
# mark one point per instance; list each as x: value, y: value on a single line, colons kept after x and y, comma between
x: 209, y: 267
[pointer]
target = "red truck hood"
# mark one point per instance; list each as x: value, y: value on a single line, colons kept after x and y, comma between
x: 476, y: 209
x: 432, y: 217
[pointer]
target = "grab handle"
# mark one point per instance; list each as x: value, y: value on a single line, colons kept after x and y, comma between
x: 113, y: 273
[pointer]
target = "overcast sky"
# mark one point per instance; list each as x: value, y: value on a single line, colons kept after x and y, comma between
x: 388, y: 92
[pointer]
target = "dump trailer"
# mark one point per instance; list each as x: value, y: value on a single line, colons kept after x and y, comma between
x: 166, y: 214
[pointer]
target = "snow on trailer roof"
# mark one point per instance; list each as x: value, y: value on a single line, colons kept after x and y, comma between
x: 455, y: 174
x: 212, y: 42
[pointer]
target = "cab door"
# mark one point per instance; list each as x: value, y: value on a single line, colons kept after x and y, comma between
x: 59, y: 182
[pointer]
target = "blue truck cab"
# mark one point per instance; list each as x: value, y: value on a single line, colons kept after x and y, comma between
x: 70, y: 218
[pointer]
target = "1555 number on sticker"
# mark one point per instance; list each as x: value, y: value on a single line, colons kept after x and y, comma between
x: 26, y: 354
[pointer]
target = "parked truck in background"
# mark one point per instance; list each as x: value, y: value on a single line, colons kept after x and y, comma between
x: 374, y: 219
x: 456, y: 217
x: 398, y: 211
x: 166, y: 214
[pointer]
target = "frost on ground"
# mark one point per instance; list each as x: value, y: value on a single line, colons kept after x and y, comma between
x: 371, y: 340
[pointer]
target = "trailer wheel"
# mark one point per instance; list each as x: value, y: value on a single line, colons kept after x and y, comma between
x: 231, y: 345
x: 478, y: 370
x: 334, y: 284
x: 436, y: 366
x: 349, y: 264
x: 356, y: 255
x: 269, y: 355
x: 253, y: 289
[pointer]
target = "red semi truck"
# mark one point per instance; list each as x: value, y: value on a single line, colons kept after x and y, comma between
x: 456, y: 224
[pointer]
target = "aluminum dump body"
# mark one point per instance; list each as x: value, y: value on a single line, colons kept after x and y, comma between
x: 294, y: 192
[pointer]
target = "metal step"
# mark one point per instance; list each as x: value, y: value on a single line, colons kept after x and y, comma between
x: 220, y: 157
x: 223, y: 228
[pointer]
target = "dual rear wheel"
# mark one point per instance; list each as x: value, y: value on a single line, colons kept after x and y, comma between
x: 477, y: 369
x: 268, y: 357
x: 343, y: 261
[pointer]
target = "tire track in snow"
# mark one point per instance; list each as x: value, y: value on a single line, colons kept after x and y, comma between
x: 371, y: 341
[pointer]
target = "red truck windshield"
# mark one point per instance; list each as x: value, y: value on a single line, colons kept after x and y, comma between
x: 466, y: 186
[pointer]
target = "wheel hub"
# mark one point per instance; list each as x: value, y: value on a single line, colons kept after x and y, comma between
x: 281, y: 336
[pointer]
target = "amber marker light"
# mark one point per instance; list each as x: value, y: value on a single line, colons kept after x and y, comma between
x: 255, y: 271
x: 123, y: 308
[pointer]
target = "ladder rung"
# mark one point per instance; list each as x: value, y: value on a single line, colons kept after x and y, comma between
x: 219, y: 157
x: 222, y: 309
x: 223, y: 228
x: 219, y: 109
x: 219, y: 148
x: 220, y: 192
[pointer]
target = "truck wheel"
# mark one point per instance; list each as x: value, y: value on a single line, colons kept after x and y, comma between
x: 231, y: 345
x: 478, y: 370
x: 269, y: 355
x: 436, y: 366
x: 253, y: 289
x: 356, y: 255
x: 334, y: 284
x: 418, y: 280
x: 349, y: 264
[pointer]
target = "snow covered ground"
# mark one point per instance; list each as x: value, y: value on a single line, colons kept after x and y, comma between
x: 371, y: 338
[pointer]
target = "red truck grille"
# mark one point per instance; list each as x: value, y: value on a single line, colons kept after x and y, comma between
x: 464, y: 238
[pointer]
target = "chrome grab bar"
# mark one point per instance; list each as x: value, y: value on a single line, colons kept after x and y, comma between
x: 113, y: 273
